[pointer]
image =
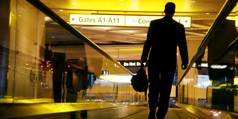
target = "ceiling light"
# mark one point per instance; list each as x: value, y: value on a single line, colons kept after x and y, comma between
x: 125, y: 31
x: 218, y: 66
x: 47, y: 19
x: 117, y: 78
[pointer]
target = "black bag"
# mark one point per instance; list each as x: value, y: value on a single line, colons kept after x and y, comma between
x: 139, y: 81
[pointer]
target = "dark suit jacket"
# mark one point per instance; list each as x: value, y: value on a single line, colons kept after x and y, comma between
x: 163, y: 37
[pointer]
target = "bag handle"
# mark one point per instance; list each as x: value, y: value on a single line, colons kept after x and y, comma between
x: 142, y: 65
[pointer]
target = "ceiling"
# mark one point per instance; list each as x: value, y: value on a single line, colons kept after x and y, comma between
x: 125, y: 43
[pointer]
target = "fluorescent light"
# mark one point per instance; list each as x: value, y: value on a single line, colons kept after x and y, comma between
x: 117, y: 78
x: 204, y: 65
x: 236, y: 80
x: 47, y: 19
x: 214, y: 66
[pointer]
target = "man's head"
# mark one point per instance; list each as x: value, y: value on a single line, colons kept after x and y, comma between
x: 169, y: 8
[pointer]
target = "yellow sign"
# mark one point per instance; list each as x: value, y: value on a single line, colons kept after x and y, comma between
x: 120, y: 20
x: 104, y: 20
x: 144, y: 21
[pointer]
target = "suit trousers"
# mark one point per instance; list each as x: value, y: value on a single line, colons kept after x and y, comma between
x: 160, y: 83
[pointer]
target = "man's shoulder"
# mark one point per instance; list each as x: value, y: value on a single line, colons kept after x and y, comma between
x: 178, y: 24
x: 156, y: 21
x: 162, y: 20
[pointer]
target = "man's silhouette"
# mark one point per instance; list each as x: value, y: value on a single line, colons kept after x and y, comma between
x: 163, y: 37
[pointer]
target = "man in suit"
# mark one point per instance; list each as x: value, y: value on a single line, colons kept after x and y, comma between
x: 160, y: 48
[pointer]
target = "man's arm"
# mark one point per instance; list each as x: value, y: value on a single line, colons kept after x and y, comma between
x: 147, y: 45
x: 183, y: 48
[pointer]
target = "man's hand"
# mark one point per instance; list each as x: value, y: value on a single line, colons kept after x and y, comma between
x: 142, y: 63
x: 184, y: 66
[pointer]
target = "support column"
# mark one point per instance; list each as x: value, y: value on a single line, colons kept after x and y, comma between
x: 4, y: 44
x: 58, y: 76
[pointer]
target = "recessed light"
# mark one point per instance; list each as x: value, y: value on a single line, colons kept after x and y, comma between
x: 47, y: 19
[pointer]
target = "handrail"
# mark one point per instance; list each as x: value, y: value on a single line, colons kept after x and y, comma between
x: 41, y: 6
x: 224, y: 12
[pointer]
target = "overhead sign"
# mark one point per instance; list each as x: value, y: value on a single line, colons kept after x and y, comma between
x: 121, y: 20
x: 112, y: 20
x: 144, y: 21
x: 131, y: 63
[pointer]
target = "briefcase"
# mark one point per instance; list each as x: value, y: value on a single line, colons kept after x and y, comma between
x: 139, y: 81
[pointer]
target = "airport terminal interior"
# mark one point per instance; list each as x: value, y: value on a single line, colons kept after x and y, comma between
x: 74, y: 59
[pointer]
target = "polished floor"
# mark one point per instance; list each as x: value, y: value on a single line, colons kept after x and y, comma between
x: 124, y: 112
x: 136, y: 112
x: 103, y: 110
x: 141, y: 112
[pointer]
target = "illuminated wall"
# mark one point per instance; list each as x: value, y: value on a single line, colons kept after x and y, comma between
x: 26, y: 51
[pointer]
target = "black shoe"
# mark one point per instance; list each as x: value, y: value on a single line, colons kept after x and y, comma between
x: 159, y: 116
x: 151, y: 116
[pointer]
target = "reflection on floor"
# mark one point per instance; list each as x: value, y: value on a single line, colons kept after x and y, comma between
x: 141, y: 112
x: 136, y: 112
x: 104, y: 110
x: 25, y: 101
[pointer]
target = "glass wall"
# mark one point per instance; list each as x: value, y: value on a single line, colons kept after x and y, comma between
x: 47, y: 63
x: 212, y: 79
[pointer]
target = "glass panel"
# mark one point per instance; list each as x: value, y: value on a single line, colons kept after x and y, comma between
x: 112, y: 80
x: 46, y: 63
x: 26, y: 45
